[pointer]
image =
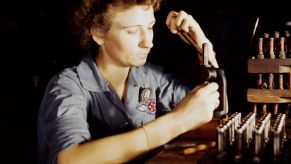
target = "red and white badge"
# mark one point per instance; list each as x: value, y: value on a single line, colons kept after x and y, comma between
x: 146, y: 104
x: 149, y: 106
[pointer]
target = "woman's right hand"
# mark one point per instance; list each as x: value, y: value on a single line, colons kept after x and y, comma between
x: 197, y: 107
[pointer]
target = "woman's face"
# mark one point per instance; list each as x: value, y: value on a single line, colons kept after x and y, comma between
x: 130, y: 37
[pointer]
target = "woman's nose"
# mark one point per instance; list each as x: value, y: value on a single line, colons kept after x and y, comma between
x: 146, y: 39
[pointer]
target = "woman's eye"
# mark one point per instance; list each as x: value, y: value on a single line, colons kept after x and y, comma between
x: 132, y: 31
x: 150, y: 28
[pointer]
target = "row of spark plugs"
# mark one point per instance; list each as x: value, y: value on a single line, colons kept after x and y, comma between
x: 238, y: 136
x: 244, y: 135
x: 261, y: 133
x: 275, y: 46
x: 272, y: 82
x: 226, y: 134
x: 279, y: 134
x: 271, y: 48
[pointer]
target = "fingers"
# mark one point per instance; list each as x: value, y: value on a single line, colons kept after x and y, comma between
x: 190, y: 32
x: 214, y: 63
x: 212, y: 60
x: 208, y: 91
x: 170, y: 22
x: 216, y: 101
x: 182, y: 22
x: 178, y: 21
x: 205, y: 88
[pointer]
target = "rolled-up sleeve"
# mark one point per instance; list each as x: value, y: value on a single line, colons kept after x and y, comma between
x: 62, y: 117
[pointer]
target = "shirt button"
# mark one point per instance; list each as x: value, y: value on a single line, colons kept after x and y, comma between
x: 124, y: 124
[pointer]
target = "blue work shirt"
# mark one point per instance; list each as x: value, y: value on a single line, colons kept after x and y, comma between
x: 79, y: 105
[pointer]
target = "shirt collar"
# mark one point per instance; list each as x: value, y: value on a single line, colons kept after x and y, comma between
x: 90, y: 77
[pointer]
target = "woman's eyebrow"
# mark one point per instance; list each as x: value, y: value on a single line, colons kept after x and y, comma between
x: 136, y: 25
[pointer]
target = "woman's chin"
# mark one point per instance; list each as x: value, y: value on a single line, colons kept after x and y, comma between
x: 140, y: 63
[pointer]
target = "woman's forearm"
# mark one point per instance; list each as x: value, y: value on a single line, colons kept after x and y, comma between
x: 124, y: 147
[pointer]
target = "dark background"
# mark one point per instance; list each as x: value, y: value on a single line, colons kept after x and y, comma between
x: 35, y: 43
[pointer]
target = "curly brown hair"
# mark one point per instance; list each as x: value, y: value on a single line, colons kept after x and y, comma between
x: 87, y: 14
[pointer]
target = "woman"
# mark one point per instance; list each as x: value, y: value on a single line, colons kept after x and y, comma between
x: 114, y: 106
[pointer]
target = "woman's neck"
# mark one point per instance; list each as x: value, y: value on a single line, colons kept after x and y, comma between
x: 115, y: 75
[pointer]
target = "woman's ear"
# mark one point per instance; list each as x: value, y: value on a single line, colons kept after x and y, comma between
x: 97, y: 36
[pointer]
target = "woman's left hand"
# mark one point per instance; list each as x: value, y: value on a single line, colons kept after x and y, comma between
x: 181, y: 22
